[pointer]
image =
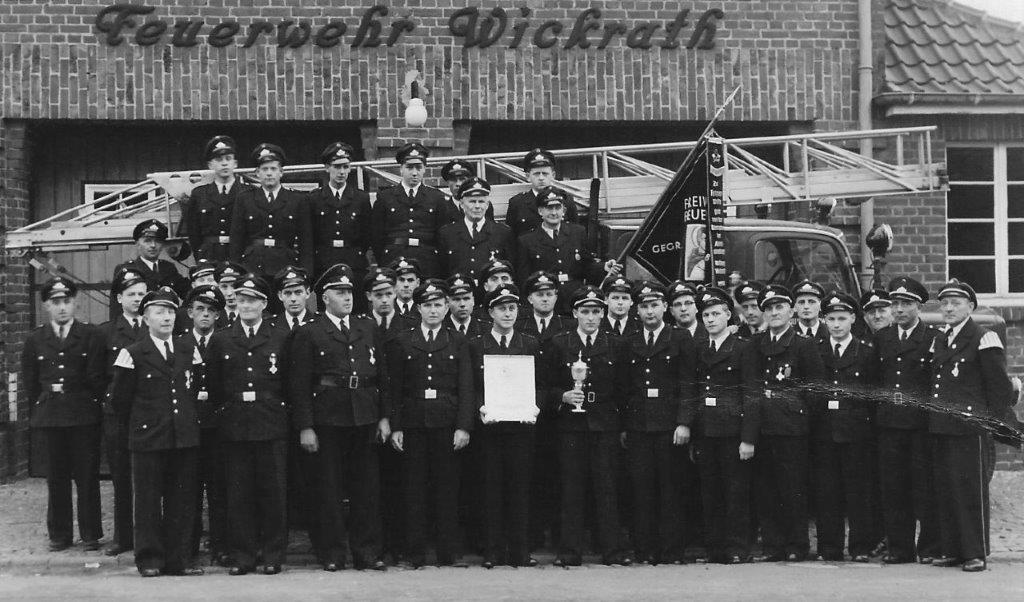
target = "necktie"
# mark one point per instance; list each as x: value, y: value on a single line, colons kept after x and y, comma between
x: 202, y: 344
x: 590, y: 341
x: 62, y: 332
x: 807, y: 332
x: 250, y: 332
x: 543, y: 325
x: 554, y: 234
x: 137, y: 325
x: 462, y: 329
x: 618, y: 326
x: 430, y: 336
x: 168, y: 355
x: 712, y: 345
x: 903, y: 336
x: 837, y: 354
x: 650, y: 339
x: 475, y: 231
x: 224, y: 190
x: 292, y: 323
x: 343, y: 326
x: 270, y: 197
x: 411, y: 193
x: 384, y: 322
x: 503, y: 343
x: 405, y: 309
x: 337, y: 196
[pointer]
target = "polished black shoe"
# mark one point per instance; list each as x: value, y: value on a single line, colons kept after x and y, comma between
x: 409, y: 565
x: 377, y: 565
x: 272, y: 569
x: 115, y: 549
x: 735, y: 560
x: 149, y: 572
x: 487, y: 564
x: 890, y: 559
x: 530, y: 562
x: 947, y: 561
x: 332, y: 567
x: 974, y: 565
x: 91, y: 546
x: 59, y: 546
x: 192, y: 571
x: 567, y: 562
x: 237, y: 570
x: 794, y: 557
x: 779, y: 557
x: 925, y: 560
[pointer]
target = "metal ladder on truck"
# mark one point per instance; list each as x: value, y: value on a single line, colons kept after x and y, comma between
x: 813, y: 166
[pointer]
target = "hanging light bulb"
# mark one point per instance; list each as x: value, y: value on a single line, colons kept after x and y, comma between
x: 415, y: 113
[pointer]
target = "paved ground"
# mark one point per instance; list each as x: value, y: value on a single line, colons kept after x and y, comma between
x: 29, y: 571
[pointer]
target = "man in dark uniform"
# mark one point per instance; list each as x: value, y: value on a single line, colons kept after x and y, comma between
x: 746, y: 295
x: 807, y: 298
x: 473, y: 240
x: 726, y: 433
x: 523, y: 209
x: 154, y: 386
x: 495, y: 274
x: 620, y: 321
x: 461, y: 315
x: 408, y: 276
x: 588, y: 383
x: 506, y: 445
x: 118, y: 333
x: 228, y: 272
x: 877, y: 308
x: 271, y: 226
x: 658, y: 414
x: 337, y: 372
x: 149, y: 237
x: 207, y: 222
x: 903, y: 369
x: 683, y: 306
x: 202, y: 272
x: 843, y: 439
x: 431, y: 399
x: 204, y: 305
x: 455, y: 173
x: 969, y: 380
x: 562, y: 249
x: 788, y: 366
x: 247, y: 375
x: 406, y: 218
x: 62, y: 364
x: 341, y: 218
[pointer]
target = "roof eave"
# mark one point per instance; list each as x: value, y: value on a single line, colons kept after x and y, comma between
x: 910, y: 103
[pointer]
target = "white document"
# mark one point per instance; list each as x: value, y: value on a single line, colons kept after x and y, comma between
x: 510, y: 391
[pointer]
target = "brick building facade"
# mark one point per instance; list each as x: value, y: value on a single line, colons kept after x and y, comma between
x: 96, y: 79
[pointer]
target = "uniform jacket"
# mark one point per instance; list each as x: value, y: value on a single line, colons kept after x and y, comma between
x: 903, y: 372
x: 157, y: 396
x: 431, y: 384
x: 287, y: 221
x: 526, y: 324
x: 65, y: 380
x: 968, y: 377
x: 208, y: 220
x: 336, y: 377
x: 848, y: 384
x: 518, y: 344
x: 727, y: 385
x: 256, y: 368
x: 164, y: 275
x: 631, y: 326
x: 475, y: 327
x: 662, y: 391
x: 788, y: 371
x: 522, y: 215
x: 462, y: 253
x: 396, y: 219
x: 341, y: 229
x: 116, y: 335
x: 569, y: 257
x: 820, y: 337
x: 207, y: 409
x: 606, y: 387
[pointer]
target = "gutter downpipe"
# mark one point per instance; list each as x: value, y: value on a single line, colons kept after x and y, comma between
x: 865, y: 72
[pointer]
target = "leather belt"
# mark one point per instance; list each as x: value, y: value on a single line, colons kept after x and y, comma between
x: 220, y: 240
x: 351, y: 382
x: 270, y: 242
x: 412, y: 242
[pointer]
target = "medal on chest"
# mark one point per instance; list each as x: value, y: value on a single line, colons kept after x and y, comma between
x: 784, y: 372
x: 273, y: 364
x: 188, y: 379
x: 373, y: 359
x: 956, y: 369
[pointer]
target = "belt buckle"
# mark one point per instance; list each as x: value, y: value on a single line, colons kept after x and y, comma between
x: 429, y: 393
x: 337, y: 244
x: 563, y: 277
x: 269, y: 242
x: 590, y: 397
x: 767, y: 393
x: 711, y: 402
x: 57, y: 388
x: 249, y: 396
x: 353, y: 381
x: 833, y: 404
x: 414, y: 242
x: 223, y: 239
x: 897, y: 397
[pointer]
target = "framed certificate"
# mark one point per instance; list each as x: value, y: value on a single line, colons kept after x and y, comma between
x: 510, y: 391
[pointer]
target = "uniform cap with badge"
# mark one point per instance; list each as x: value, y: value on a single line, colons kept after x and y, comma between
x: 712, y: 296
x: 161, y: 297
x: 203, y: 267
x: 253, y: 286
x: 412, y: 152
x: 339, y: 276
x: 875, y: 297
x: 955, y: 288
x: 207, y: 293
x: 402, y: 266
x: 908, y: 289
x: 617, y: 284
x: 151, y: 227
x: 229, y: 271
x: 126, y: 278
x: 588, y: 296
x: 337, y: 152
x: 474, y: 187
x: 540, y: 281
x: 218, y: 146
x: 747, y: 291
x: 680, y: 288
x: 494, y: 267
x: 431, y: 290
x: 507, y: 293
x: 290, y: 276
x: 455, y: 168
x: 379, y: 278
x: 58, y: 287
x: 266, y: 151
x: 550, y: 197
x: 807, y: 287
x: 838, y: 301
x: 538, y: 157
x: 648, y: 290
x: 459, y: 284
x: 772, y: 295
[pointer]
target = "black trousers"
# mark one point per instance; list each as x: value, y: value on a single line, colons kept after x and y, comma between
x: 471, y: 496
x: 73, y: 454
x: 212, y: 482
x: 908, y: 498
x: 506, y: 455
x: 431, y: 467
x: 961, y: 463
x: 657, y: 482
x: 844, y: 479
x: 782, y: 465
x: 165, y: 505
x: 725, y: 488
x: 583, y: 457
x: 392, y: 504
x: 115, y: 445
x: 545, y: 488
x: 347, y: 463
x: 256, y: 491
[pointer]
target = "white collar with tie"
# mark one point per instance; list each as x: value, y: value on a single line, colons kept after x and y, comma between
x: 720, y: 339
x: 546, y: 319
x: 497, y: 336
x: 470, y: 223
x: 201, y: 339
x: 811, y: 330
x: 552, y: 232
x: 337, y: 192
x: 775, y: 337
x: 336, y: 320
x: 583, y: 336
x: 427, y: 332
x: 162, y: 345
x: 843, y: 344
x: 655, y: 333
x: 384, y: 321
x: 149, y: 264
x: 294, y: 321
x: 462, y: 327
x: 692, y: 328
x: 133, y: 321
x: 224, y: 187
x: 62, y: 330
x: 255, y: 328
x: 906, y: 333
x: 272, y: 193
x: 411, y: 190
x: 954, y: 331
x: 405, y: 306
x: 621, y: 323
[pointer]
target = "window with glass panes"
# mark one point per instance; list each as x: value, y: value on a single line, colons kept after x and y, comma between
x: 985, y: 213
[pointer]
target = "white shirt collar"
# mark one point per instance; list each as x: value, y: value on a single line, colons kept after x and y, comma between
x: 547, y: 319
x: 56, y: 327
x: 692, y: 328
x: 497, y: 336
x: 220, y: 185
x: 336, y: 191
x: 720, y: 338
x: 426, y: 330
x: 378, y: 317
x: 297, y: 319
x: 774, y: 336
x: 130, y: 319
x: 549, y: 230
x: 656, y: 331
x: 197, y: 336
x: 411, y: 190
x: 954, y: 332
x: 457, y: 323
x: 150, y: 264
x: 813, y: 329
x: 274, y: 192
x: 900, y: 330
x: 336, y: 320
x: 843, y: 344
x: 160, y: 343
x: 469, y: 225
x: 255, y: 327
x: 583, y: 336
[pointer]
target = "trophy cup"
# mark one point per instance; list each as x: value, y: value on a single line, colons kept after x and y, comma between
x: 579, y: 371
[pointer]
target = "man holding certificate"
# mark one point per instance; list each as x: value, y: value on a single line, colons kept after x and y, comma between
x: 588, y: 382
x: 504, y: 361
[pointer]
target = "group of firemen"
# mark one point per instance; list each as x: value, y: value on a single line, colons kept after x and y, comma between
x: 290, y: 381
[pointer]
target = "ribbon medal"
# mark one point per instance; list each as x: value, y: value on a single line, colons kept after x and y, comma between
x: 273, y: 364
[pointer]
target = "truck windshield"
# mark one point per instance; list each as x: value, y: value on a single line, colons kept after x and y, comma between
x: 787, y: 261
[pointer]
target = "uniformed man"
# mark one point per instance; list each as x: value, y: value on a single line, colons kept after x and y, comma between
x: 877, y: 308
x: 682, y: 298
x: 379, y: 288
x: 618, y: 292
x: 63, y: 370
x: 807, y: 298
x: 506, y: 446
x: 292, y: 286
x: 659, y: 412
x: 561, y: 248
x: 746, y: 295
x: 118, y: 333
x: 843, y: 439
x: 341, y: 218
x: 588, y: 383
x: 455, y: 173
x: 406, y: 218
x: 407, y: 272
x: 202, y: 272
x: 473, y: 240
x: 431, y: 396
x: 495, y: 273
x: 903, y: 369
x: 461, y: 317
x: 211, y: 207
x: 271, y: 226
x: 204, y: 305
x: 789, y: 367
x: 336, y: 376
x: 969, y: 380
x: 227, y: 274
x: 726, y: 433
x: 149, y: 237
x: 523, y: 213
x: 154, y: 387
x: 247, y: 375
x: 539, y: 319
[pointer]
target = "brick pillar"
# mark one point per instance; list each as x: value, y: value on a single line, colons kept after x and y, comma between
x: 15, y: 306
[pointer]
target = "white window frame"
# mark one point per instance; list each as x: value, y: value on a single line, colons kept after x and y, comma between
x: 1000, y: 220
x: 91, y: 192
